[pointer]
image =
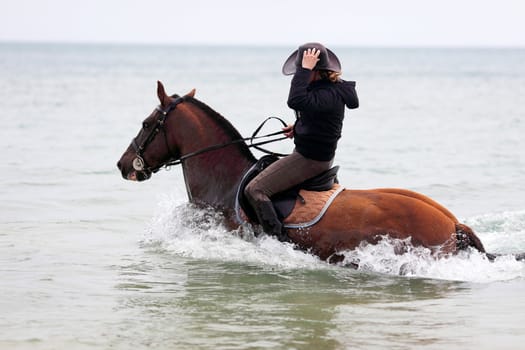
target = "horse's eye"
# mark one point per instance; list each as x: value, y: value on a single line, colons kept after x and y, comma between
x: 145, y: 125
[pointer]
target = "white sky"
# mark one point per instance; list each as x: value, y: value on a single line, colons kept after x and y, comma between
x: 263, y: 22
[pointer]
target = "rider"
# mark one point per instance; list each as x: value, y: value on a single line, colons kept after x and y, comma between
x: 318, y: 96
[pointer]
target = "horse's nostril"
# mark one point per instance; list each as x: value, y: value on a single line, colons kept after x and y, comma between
x: 119, y: 165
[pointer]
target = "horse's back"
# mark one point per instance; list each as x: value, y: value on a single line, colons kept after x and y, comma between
x: 420, y: 197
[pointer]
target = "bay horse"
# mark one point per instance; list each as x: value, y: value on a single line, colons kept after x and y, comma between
x: 214, y: 157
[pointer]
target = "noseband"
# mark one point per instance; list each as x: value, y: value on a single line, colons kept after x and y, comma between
x: 139, y: 164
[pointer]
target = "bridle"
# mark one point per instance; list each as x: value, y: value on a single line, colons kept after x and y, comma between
x: 139, y: 164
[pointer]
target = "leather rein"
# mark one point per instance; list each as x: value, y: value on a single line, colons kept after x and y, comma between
x: 139, y: 164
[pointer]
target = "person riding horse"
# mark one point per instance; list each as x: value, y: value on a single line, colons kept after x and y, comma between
x: 318, y: 96
x: 215, y: 160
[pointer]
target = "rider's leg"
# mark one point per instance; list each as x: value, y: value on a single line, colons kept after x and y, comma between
x: 280, y: 176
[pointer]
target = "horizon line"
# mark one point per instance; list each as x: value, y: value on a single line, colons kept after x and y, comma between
x: 251, y: 45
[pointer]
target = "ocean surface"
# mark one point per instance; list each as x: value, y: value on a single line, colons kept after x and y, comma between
x: 91, y: 261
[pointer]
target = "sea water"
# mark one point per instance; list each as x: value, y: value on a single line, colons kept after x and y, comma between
x: 91, y: 261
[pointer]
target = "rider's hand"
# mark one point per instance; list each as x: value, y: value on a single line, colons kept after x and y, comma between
x: 288, y: 131
x: 310, y: 58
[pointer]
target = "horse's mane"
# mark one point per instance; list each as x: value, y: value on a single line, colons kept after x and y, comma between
x: 224, y: 123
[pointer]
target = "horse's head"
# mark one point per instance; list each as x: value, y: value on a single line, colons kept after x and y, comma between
x: 150, y: 149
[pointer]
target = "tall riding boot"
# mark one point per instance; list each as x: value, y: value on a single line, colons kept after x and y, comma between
x: 269, y: 220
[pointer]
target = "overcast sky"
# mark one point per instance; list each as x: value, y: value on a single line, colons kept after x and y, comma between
x: 263, y: 22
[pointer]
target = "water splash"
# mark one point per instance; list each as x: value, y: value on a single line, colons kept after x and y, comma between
x: 188, y: 231
x: 185, y: 230
x: 468, y: 265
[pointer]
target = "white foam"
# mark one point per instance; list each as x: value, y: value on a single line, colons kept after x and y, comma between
x: 188, y: 231
x: 468, y: 265
x: 184, y: 230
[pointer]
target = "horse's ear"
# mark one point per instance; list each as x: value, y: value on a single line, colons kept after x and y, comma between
x: 191, y: 93
x: 161, y: 93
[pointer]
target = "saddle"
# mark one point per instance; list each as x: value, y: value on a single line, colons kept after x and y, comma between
x: 285, y: 202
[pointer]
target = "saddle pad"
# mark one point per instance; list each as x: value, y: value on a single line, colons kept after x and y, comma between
x: 309, y: 212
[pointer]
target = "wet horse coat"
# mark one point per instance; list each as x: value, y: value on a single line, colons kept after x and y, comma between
x: 181, y: 127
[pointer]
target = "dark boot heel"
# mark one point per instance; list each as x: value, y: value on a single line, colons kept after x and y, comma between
x: 269, y: 220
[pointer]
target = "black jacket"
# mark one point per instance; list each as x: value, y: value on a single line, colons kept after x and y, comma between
x: 321, y: 107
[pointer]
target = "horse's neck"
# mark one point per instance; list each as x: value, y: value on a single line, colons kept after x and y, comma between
x: 214, y: 182
x: 212, y: 177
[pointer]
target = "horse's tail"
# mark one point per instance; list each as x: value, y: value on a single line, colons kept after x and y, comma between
x: 465, y: 238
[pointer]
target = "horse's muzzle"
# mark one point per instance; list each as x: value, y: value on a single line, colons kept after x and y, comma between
x: 131, y: 174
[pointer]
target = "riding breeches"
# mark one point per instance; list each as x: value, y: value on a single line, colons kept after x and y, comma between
x: 282, y: 175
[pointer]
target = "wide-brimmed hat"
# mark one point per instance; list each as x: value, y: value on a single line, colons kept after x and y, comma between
x: 327, y: 59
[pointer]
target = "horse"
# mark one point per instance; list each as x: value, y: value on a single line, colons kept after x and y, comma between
x: 214, y: 157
